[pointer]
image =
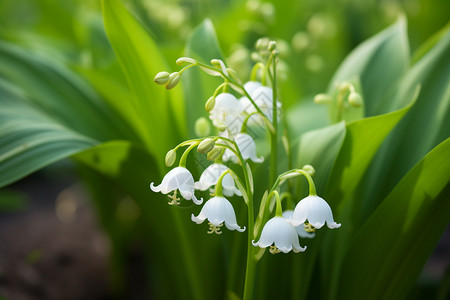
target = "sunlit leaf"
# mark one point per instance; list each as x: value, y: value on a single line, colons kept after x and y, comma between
x: 162, y: 112
x: 401, y: 233
x: 30, y: 139
x: 379, y: 63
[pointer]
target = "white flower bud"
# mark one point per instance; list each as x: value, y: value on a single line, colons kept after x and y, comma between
x: 355, y: 99
x: 262, y: 43
x: 209, y: 105
x: 183, y: 60
x: 310, y: 169
x: 215, y: 153
x: 161, y: 77
x: 322, y: 99
x: 202, y: 127
x: 171, y: 156
x: 206, y: 145
x: 174, y: 78
x: 272, y: 45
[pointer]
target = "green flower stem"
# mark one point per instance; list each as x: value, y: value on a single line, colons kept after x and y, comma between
x: 187, y: 67
x: 312, y: 186
x: 279, y: 211
x: 244, y: 124
x: 251, y: 260
x: 185, y: 154
x: 219, y: 187
x: 274, y: 134
x: 255, y: 69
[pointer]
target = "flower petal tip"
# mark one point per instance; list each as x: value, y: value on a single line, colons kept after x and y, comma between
x: 154, y: 188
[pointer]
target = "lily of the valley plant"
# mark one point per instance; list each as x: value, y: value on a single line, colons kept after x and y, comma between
x: 234, y: 108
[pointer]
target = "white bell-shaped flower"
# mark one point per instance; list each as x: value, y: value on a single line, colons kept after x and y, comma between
x: 251, y: 86
x: 218, y: 211
x: 287, y: 214
x: 181, y: 179
x: 315, y: 211
x: 227, y: 112
x: 263, y: 97
x: 210, y: 177
x: 280, y: 236
x: 247, y: 147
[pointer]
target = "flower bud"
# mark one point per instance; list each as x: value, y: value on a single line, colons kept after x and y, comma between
x: 202, y: 127
x: 174, y: 78
x: 170, y: 157
x: 262, y: 43
x: 188, y: 60
x: 161, y: 77
x: 206, y: 145
x: 218, y: 63
x: 355, y: 99
x: 310, y: 169
x: 256, y: 57
x: 215, y: 153
x: 272, y: 45
x: 322, y: 99
x: 221, y: 127
x: 209, y: 105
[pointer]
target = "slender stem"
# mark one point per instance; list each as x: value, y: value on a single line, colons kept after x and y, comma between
x: 274, y: 134
x: 279, y: 211
x: 312, y: 187
x: 251, y: 261
x: 219, y: 187
x: 185, y: 154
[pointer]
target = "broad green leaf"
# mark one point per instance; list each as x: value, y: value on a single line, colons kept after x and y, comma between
x: 29, y: 139
x: 59, y: 92
x: 306, y: 116
x: 362, y: 140
x: 425, y: 126
x: 320, y: 148
x: 388, y: 252
x: 379, y: 63
x: 161, y: 111
x: 198, y: 86
x: 111, y: 84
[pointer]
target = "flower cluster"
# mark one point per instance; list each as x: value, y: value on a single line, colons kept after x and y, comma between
x: 232, y: 112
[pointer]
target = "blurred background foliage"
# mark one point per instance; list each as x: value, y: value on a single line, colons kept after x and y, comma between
x: 77, y: 86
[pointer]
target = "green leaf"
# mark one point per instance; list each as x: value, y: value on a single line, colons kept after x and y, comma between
x: 425, y: 126
x: 401, y: 233
x: 29, y: 139
x: 379, y: 63
x: 59, y: 92
x: 320, y: 148
x: 362, y: 141
x: 202, y: 45
x: 141, y: 60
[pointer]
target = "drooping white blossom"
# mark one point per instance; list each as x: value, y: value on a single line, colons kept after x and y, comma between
x: 263, y: 97
x: 315, y: 211
x: 218, y: 211
x: 287, y: 214
x: 227, y: 112
x: 180, y: 179
x: 210, y: 177
x: 247, y: 146
x: 280, y: 236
